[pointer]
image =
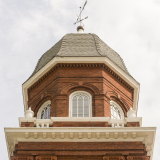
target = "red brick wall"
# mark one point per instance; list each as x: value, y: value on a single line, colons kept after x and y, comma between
x: 27, y: 124
x: 97, y: 79
x: 133, y: 124
x: 112, y: 157
x: 83, y: 150
x: 80, y: 124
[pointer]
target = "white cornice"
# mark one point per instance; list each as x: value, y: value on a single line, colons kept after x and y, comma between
x: 81, y: 134
x: 104, y: 60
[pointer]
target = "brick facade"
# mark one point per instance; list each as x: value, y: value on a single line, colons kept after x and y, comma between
x: 80, y: 124
x: 97, y: 79
x: 80, y: 150
x: 27, y: 124
x: 113, y: 157
x: 103, y: 85
x: 133, y: 124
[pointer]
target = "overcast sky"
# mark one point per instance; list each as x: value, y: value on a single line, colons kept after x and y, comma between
x: 28, y: 28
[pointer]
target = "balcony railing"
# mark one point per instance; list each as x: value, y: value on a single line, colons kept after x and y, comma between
x: 71, y: 120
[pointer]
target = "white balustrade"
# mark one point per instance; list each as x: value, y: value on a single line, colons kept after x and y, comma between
x: 117, y: 122
x: 43, y: 123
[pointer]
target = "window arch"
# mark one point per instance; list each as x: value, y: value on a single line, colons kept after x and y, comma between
x: 44, y: 111
x: 116, y: 111
x: 80, y: 104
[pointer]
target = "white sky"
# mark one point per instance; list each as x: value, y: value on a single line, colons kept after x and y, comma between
x: 29, y: 28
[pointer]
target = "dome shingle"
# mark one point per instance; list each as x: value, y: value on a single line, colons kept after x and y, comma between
x: 80, y: 45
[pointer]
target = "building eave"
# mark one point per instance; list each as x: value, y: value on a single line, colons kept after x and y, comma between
x: 146, y: 135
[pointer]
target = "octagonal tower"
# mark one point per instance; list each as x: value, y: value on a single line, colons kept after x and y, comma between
x: 80, y: 103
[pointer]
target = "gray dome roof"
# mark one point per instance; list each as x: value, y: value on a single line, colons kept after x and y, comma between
x: 80, y: 45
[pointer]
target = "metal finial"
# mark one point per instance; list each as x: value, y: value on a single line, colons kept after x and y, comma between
x: 79, y: 19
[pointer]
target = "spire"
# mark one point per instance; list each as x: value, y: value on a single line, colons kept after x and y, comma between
x: 80, y: 28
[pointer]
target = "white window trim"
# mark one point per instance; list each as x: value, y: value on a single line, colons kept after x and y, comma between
x: 80, y: 92
x: 120, y: 109
x: 41, y: 108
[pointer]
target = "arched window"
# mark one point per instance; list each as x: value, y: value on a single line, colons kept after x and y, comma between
x: 44, y: 111
x: 80, y: 104
x: 116, y: 111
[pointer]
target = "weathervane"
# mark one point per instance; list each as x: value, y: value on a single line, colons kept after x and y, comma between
x: 79, y: 20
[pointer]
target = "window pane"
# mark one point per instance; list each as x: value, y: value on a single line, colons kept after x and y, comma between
x: 115, y: 112
x: 46, y: 112
x: 80, y: 101
x: 74, y: 102
x: 86, y: 115
x: 80, y: 115
x: 80, y: 106
x: 119, y: 115
x: 86, y: 110
x: 80, y: 110
x: 74, y: 110
x: 86, y: 104
x: 74, y: 115
x: 49, y: 109
x: 42, y: 116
